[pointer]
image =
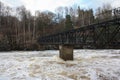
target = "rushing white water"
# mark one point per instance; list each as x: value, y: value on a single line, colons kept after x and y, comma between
x: 46, y: 65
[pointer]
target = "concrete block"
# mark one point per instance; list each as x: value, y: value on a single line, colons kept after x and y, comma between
x: 66, y: 52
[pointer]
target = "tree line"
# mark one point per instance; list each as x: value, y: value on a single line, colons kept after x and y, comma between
x: 19, y: 29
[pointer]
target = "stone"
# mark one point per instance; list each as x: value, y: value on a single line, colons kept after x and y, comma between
x: 66, y: 52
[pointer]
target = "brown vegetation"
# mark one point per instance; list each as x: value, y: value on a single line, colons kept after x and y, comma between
x: 19, y: 29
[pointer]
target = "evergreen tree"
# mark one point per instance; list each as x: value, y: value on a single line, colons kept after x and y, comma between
x: 68, y: 23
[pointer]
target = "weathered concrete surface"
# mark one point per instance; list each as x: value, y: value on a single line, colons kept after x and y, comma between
x: 66, y: 52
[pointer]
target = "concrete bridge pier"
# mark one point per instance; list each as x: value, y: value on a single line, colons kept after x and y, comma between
x: 66, y: 52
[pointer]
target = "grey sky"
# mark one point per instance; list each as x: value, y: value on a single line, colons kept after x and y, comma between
x: 51, y: 5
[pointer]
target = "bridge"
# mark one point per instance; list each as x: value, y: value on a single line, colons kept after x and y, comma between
x: 104, y: 33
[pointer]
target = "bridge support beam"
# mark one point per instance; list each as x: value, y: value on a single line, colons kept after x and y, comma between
x: 66, y: 52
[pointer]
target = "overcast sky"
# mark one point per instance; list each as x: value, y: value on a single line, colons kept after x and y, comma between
x: 51, y: 5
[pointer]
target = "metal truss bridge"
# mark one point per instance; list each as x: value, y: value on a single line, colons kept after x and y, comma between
x: 105, y: 33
